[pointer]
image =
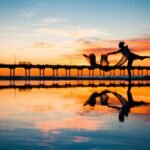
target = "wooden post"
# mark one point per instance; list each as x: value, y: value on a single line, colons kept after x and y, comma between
x: 78, y: 72
x: 92, y: 72
x: 100, y: 72
x: 25, y: 72
x: 69, y: 71
x: 123, y: 72
x: 57, y: 72
x: 133, y: 72
x: 29, y: 72
x: 53, y: 72
x: 10, y: 72
x: 40, y: 72
x: 44, y: 72
x: 114, y: 72
x: 142, y: 72
x: 81, y: 72
x: 103, y: 73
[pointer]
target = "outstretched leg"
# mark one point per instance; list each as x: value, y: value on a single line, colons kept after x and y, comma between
x: 144, y: 57
x: 134, y: 56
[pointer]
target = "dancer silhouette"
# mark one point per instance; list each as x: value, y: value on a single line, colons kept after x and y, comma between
x: 127, y: 56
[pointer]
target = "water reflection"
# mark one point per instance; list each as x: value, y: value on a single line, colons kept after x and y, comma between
x: 36, y: 117
x: 125, y: 107
x: 28, y: 85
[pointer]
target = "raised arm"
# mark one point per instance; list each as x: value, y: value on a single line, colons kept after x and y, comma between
x: 114, y: 52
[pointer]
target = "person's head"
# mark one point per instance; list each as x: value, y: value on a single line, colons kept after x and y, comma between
x: 121, y: 44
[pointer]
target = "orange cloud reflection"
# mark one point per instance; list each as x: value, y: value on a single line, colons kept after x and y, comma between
x: 72, y: 123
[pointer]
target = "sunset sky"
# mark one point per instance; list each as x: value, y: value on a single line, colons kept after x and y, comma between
x: 60, y: 31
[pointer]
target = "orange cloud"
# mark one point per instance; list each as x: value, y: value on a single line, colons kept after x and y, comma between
x: 139, y: 44
x: 97, y: 46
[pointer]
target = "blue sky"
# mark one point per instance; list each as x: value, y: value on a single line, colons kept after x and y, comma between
x: 121, y: 18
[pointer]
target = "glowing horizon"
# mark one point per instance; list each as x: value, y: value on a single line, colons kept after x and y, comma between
x: 59, y: 32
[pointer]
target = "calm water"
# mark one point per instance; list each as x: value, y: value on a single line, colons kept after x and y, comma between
x: 52, y: 118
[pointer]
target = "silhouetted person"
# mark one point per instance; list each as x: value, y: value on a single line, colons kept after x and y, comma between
x: 127, y: 56
x: 103, y: 62
x: 91, y: 59
x: 126, y: 105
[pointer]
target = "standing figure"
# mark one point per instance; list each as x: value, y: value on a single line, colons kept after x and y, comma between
x: 127, y: 56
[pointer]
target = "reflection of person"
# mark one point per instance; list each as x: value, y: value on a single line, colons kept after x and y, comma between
x: 126, y: 105
x: 127, y: 56
x: 92, y: 99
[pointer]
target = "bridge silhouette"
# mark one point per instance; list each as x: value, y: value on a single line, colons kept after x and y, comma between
x: 142, y: 72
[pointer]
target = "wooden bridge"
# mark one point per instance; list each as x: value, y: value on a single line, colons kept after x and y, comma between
x: 142, y: 72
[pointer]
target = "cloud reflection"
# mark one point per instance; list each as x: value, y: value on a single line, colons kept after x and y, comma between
x: 80, y: 139
x: 77, y: 123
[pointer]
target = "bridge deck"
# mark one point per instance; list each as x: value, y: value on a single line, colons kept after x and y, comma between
x: 43, y: 66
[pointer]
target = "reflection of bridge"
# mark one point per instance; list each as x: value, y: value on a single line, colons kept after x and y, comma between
x: 112, y: 72
x: 28, y: 85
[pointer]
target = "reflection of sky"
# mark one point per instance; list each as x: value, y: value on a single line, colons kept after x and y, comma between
x: 55, y: 119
